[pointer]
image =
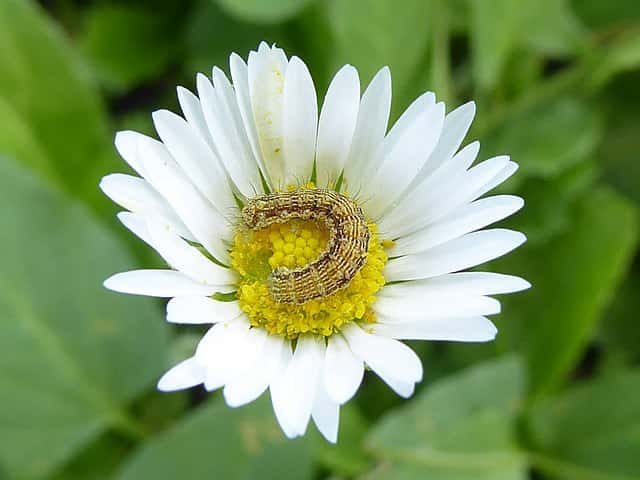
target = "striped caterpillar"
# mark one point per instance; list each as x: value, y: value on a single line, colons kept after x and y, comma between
x: 346, y: 251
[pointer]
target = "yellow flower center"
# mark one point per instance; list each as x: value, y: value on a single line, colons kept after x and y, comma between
x: 293, y: 245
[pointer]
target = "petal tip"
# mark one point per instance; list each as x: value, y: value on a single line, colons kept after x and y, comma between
x: 520, y: 238
x: 112, y: 283
x: 524, y: 285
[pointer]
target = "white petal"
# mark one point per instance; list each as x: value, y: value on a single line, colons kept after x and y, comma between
x: 455, y: 128
x: 157, y: 283
x: 373, y: 116
x: 206, y: 223
x: 281, y: 403
x: 186, y: 258
x: 462, y: 284
x: 221, y: 349
x: 126, y: 143
x: 186, y: 374
x: 246, y: 353
x: 468, y: 218
x: 266, y: 70
x: 408, y: 211
x: 214, y: 337
x: 395, y: 363
x: 228, y: 132
x: 509, y: 169
x: 244, y: 155
x: 421, y: 105
x: 337, y: 124
x: 215, y: 120
x: 133, y: 193
x: 464, y: 252
x: 414, y: 307
x: 201, y: 310
x: 404, y: 389
x: 466, y: 329
x: 294, y: 392
x: 405, y: 150
x: 196, y: 159
x: 133, y: 147
x: 136, y: 146
x: 139, y: 197
x: 445, y: 197
x: 326, y: 414
x: 342, y: 371
x: 129, y: 145
x: 192, y: 110
x: 137, y: 224
x: 299, y: 123
x: 240, y: 77
x: 252, y: 383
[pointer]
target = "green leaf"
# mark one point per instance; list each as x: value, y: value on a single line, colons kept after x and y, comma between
x: 18, y: 141
x: 184, y: 343
x: 216, y: 441
x: 500, y: 28
x: 590, y: 432
x: 549, y: 203
x: 128, y: 44
x: 460, y: 428
x: 211, y: 35
x: 604, y: 14
x: 552, y: 28
x: 440, y: 77
x: 619, y: 333
x: 494, y: 29
x: 347, y: 456
x: 573, y: 276
x: 382, y: 33
x: 622, y: 55
x: 42, y: 79
x: 97, y: 462
x: 549, y: 139
x: 264, y: 11
x: 73, y: 354
x: 621, y: 143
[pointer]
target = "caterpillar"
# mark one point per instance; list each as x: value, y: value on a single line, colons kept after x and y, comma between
x: 346, y: 251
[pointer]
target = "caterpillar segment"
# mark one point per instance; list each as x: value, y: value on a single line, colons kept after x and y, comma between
x: 346, y: 251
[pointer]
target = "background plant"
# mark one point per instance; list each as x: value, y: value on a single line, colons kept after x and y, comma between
x: 556, y: 396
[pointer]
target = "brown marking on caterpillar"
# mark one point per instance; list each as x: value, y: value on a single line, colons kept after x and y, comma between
x: 346, y: 251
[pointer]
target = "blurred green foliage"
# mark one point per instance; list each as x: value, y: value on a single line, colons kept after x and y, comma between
x: 555, y: 397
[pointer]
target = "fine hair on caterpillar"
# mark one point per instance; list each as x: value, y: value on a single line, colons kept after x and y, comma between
x: 346, y: 251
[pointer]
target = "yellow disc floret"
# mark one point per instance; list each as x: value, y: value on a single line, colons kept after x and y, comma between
x: 294, y: 244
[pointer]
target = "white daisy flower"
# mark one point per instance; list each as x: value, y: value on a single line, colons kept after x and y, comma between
x: 312, y: 243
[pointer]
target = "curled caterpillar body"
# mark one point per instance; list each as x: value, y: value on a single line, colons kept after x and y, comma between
x: 346, y: 251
